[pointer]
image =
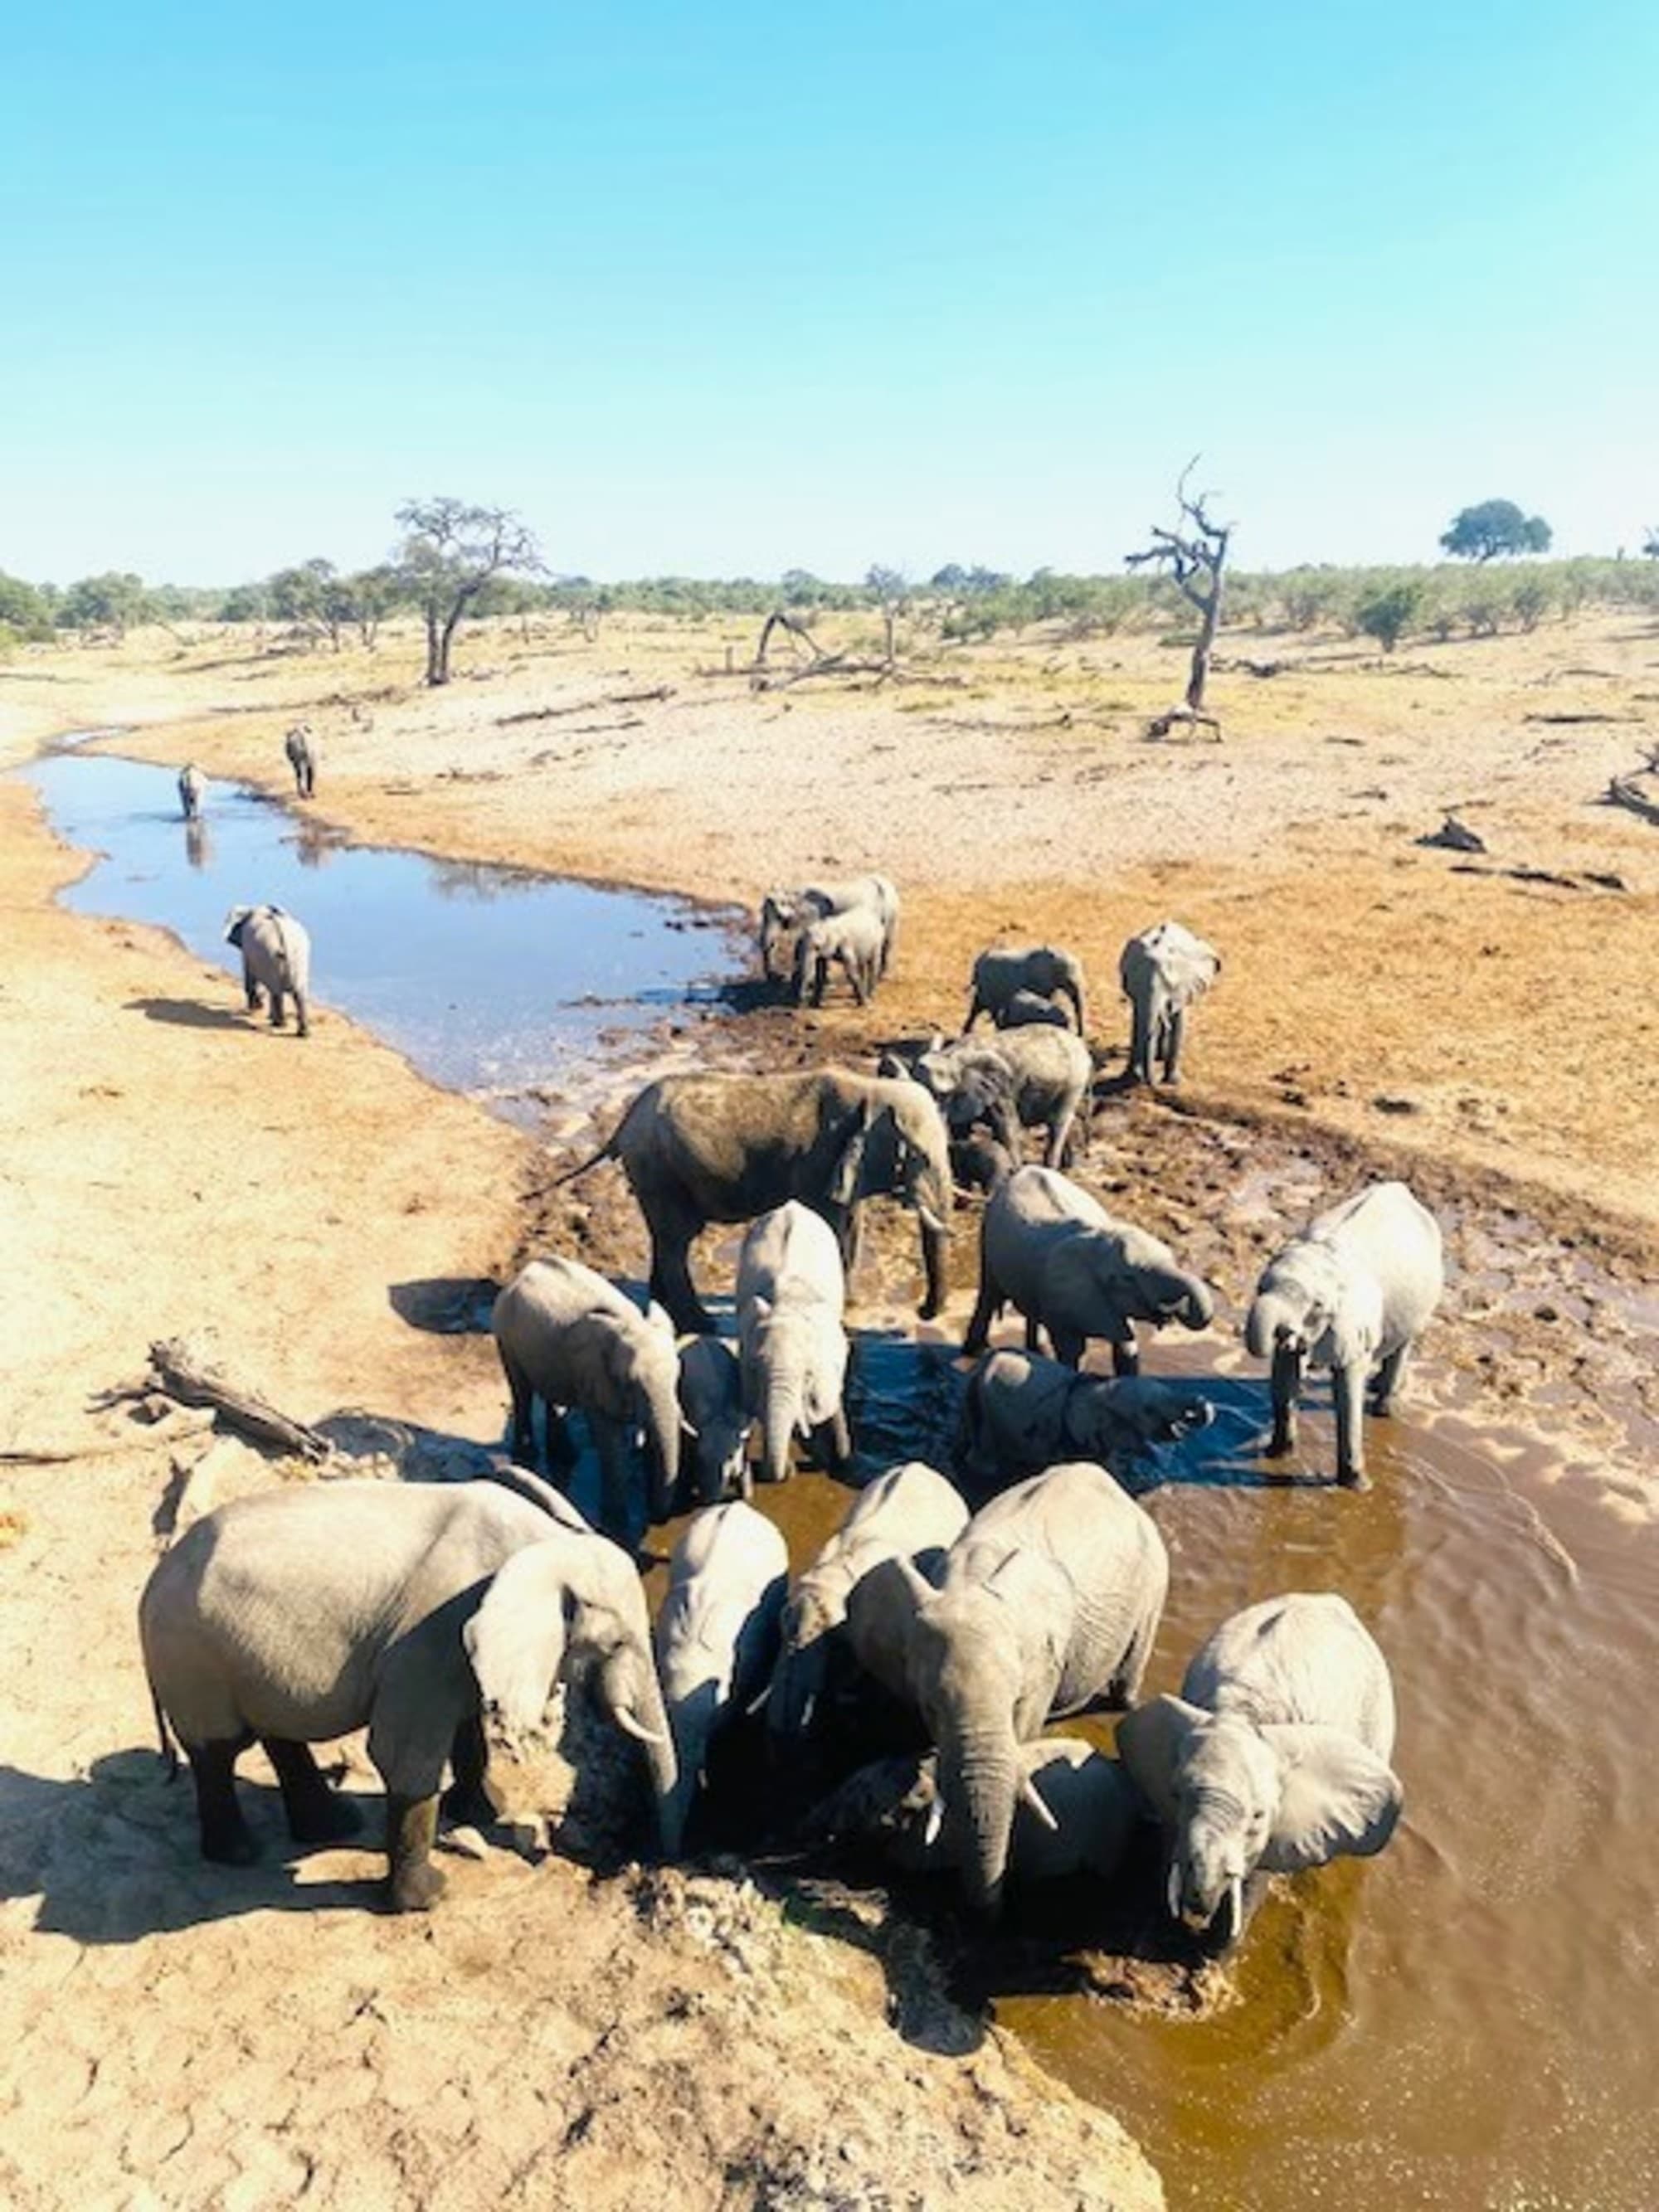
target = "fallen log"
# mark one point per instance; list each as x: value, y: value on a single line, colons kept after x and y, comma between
x: 657, y: 693
x: 1623, y: 791
x: 1456, y: 836
x: 180, y: 1369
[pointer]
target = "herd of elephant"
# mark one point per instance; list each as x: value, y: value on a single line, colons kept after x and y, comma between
x: 945, y: 1639
x: 276, y: 947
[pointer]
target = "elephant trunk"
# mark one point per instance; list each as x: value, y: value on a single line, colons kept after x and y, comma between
x: 779, y: 1416
x: 659, y: 1398
x: 979, y: 1779
x: 692, y: 1721
x: 630, y: 1691
x: 934, y: 1235
x: 1198, y: 1308
x: 1073, y: 991
x: 1272, y: 1319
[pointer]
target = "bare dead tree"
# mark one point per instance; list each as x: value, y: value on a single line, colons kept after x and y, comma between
x: 1193, y: 556
x: 781, y: 619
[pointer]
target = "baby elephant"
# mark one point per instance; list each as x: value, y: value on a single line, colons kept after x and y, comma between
x: 1275, y: 1756
x: 716, y: 1637
x: 793, y: 1345
x: 1043, y: 971
x: 1163, y: 972
x: 572, y: 1340
x: 275, y: 951
x: 303, y: 754
x: 855, y: 941
x: 1036, y: 1077
x: 416, y: 1610
x: 192, y: 790
x: 1023, y: 1414
x: 1354, y: 1291
x: 979, y: 1162
x: 711, y: 1399
x: 1053, y: 1251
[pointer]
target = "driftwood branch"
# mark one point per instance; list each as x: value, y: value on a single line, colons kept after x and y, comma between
x: 587, y: 706
x: 781, y: 619
x: 1625, y: 791
x: 180, y: 1369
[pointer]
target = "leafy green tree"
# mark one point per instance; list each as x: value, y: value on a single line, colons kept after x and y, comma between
x: 891, y: 590
x: 114, y: 601
x: 245, y: 603
x: 451, y: 552
x: 1389, y: 614
x: 1495, y: 527
x: 25, y: 610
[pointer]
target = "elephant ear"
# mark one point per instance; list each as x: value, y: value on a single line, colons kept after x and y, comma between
x: 1150, y: 1741
x: 849, y: 1166
x: 1335, y: 1797
x: 881, y: 1612
x: 515, y: 1642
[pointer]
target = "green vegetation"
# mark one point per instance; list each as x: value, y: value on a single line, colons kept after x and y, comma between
x: 1389, y: 614
x: 1495, y: 527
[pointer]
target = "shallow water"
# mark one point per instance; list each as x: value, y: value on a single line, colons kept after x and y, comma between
x: 493, y: 981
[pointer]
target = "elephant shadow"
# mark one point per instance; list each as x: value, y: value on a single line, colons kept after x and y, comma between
x: 113, y: 1856
x: 187, y: 1014
x: 1227, y: 1452
x: 445, y: 1305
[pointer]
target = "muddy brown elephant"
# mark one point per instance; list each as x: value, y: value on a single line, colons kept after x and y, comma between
x: 702, y: 1148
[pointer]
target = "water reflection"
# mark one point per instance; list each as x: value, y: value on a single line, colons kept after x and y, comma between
x: 198, y: 843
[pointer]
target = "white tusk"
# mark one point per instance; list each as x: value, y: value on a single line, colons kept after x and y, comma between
x: 626, y: 1722
x: 1236, y: 1908
x: 1031, y: 1796
x: 935, y: 1821
x: 808, y: 1710
x: 1175, y: 1889
x: 686, y: 1428
x: 755, y: 1703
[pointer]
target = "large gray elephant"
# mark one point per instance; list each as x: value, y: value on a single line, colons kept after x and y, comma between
x: 792, y: 1338
x: 1026, y: 1078
x: 783, y: 912
x: 702, y: 1148
x: 1045, y: 971
x: 1049, y: 1603
x: 275, y: 951
x: 192, y: 790
x: 911, y: 1512
x: 1094, y: 1811
x: 711, y: 1398
x: 1275, y: 1756
x: 421, y: 1611
x: 716, y: 1637
x: 1353, y: 1292
x: 1164, y: 971
x: 572, y: 1340
x: 1022, y: 1413
x: 1053, y: 1251
x: 855, y: 941
x: 303, y: 753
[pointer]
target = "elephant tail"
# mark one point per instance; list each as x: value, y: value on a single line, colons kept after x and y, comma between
x: 168, y: 1747
x: 606, y: 1152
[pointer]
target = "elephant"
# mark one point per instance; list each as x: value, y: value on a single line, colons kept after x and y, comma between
x: 784, y: 912
x: 1162, y: 971
x: 1030, y: 1078
x: 1354, y: 1291
x: 1026, y: 1007
x: 911, y: 1512
x: 979, y: 1162
x: 422, y: 1611
x: 703, y: 1148
x: 792, y: 1339
x: 1273, y: 1758
x: 303, y: 754
x: 711, y: 1399
x: 275, y: 951
x: 1095, y: 1806
x: 1049, y: 1603
x: 570, y: 1338
x: 1044, y: 970
x: 192, y: 790
x: 854, y: 940
x: 716, y: 1637
x: 1072, y: 1270
x: 1023, y: 1413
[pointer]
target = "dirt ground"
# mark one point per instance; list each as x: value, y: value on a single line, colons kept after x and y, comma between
x: 549, y: 2037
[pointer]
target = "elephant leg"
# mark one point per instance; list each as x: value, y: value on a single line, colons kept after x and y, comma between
x: 833, y: 1440
x: 1070, y: 1344
x: 974, y: 1011
x: 859, y: 976
x: 1287, y: 1388
x: 1124, y: 1689
x: 522, y: 1442
x: 671, y: 1274
x: 302, y: 1015
x: 250, y: 989
x: 469, y: 1801
x: 1140, y: 1042
x: 1174, y: 1033
x: 226, y: 1838
x: 562, y: 1450
x: 413, y: 1883
x: 987, y: 1307
x: 610, y: 1442
x: 1389, y: 1377
x: 1059, y: 1135
x: 315, y: 1813
x: 1126, y: 1354
x: 277, y: 1018
x: 1348, y: 1390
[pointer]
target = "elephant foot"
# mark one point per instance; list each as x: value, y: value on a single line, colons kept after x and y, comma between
x: 468, y: 1805
x: 315, y: 1813
x: 413, y: 1883
x: 331, y: 1820
x: 1279, y: 1444
x: 1381, y: 1409
x: 415, y: 1888
x: 230, y: 1846
x: 1352, y: 1478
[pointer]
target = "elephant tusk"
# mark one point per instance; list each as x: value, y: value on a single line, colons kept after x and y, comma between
x: 686, y: 1428
x: 1174, y: 1891
x: 1032, y: 1797
x: 935, y: 1821
x: 930, y: 1221
x: 756, y: 1702
x: 1234, y: 1909
x: 807, y: 1710
x: 626, y: 1722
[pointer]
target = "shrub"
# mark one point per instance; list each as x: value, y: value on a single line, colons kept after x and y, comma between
x: 1386, y: 615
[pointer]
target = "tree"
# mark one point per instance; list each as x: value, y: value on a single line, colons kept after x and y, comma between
x: 450, y: 553
x: 24, y: 610
x: 313, y: 598
x: 1389, y: 614
x: 245, y: 603
x: 1494, y: 527
x: 112, y: 601
x: 892, y: 590
x: 370, y: 597
x: 1194, y: 556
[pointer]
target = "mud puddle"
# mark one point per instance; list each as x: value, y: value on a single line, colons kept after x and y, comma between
x: 513, y: 988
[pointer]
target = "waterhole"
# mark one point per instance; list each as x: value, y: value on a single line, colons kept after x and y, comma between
x: 1469, y: 2021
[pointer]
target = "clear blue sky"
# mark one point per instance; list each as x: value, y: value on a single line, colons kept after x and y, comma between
x: 722, y: 288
